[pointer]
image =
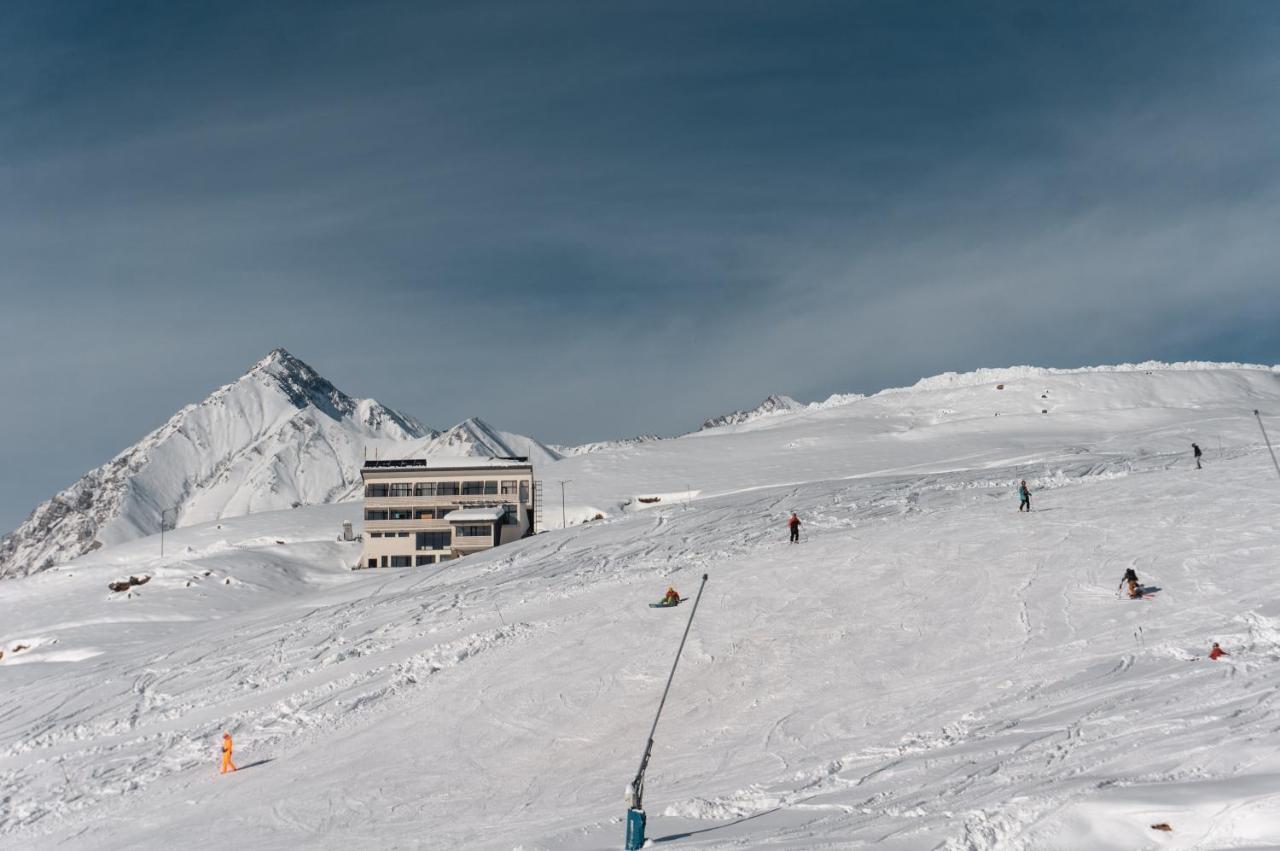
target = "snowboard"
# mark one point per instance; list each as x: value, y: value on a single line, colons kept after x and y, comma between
x: 666, y: 605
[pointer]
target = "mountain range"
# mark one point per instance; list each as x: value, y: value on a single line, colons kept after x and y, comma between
x: 278, y: 437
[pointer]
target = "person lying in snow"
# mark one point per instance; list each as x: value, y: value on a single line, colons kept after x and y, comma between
x: 1217, y: 651
x: 1135, y: 588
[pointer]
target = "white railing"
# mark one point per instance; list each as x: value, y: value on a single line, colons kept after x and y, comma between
x: 423, y: 525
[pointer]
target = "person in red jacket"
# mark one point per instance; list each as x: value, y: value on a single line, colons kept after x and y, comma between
x: 1217, y: 651
x: 794, y: 523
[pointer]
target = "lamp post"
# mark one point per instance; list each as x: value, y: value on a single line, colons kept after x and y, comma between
x: 564, y: 524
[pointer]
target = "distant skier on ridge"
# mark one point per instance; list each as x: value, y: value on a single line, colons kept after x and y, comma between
x: 794, y: 523
x: 1195, y: 451
x: 1024, y: 495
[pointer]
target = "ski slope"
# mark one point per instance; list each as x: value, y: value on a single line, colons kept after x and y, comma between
x: 927, y: 669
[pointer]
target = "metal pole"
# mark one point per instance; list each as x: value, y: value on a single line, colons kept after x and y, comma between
x: 1268, y: 440
x: 637, y: 785
x: 564, y: 524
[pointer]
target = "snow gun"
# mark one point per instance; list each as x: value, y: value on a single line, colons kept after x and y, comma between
x: 635, y: 790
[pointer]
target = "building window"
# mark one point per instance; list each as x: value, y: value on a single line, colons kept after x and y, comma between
x: 446, y: 488
x: 472, y: 488
x: 509, y: 487
x: 375, y: 490
x: 401, y: 514
x: 475, y: 531
x: 432, y: 541
x: 424, y: 489
x: 426, y: 560
x: 375, y: 534
x: 373, y: 562
x: 401, y: 489
x: 375, y: 514
x: 510, y: 516
x: 402, y: 561
x: 524, y: 491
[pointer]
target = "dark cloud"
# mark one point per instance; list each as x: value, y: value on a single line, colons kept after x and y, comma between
x: 656, y: 210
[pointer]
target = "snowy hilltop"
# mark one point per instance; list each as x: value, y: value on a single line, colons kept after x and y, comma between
x: 773, y: 404
x: 278, y: 437
x: 477, y: 438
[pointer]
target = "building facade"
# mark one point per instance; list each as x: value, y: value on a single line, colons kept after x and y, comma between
x: 422, y: 513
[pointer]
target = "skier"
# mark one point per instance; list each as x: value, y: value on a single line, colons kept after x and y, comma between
x: 1195, y: 450
x: 226, y: 754
x: 1217, y: 651
x: 794, y: 523
x: 671, y: 598
x: 1024, y: 495
x: 1135, y: 588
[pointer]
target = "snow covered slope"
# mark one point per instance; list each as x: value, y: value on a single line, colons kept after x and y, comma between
x: 1038, y: 418
x: 928, y: 669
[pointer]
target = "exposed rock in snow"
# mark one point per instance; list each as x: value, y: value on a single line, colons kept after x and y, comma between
x: 773, y: 404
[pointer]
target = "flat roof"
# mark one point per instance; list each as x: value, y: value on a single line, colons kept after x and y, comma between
x: 463, y: 515
x: 460, y: 462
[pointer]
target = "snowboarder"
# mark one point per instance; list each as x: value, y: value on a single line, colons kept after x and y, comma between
x: 671, y: 598
x: 1195, y: 450
x: 1131, y: 578
x: 1024, y: 495
x: 794, y: 523
x: 1217, y: 651
x: 226, y: 753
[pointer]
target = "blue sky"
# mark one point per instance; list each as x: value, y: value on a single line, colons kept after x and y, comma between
x: 660, y: 211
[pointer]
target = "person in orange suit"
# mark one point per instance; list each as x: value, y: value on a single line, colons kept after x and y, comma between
x: 672, y: 598
x: 226, y: 753
x: 1217, y: 651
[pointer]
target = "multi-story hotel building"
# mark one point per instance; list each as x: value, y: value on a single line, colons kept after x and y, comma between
x: 418, y: 512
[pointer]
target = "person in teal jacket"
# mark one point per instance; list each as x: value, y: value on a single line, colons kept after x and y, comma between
x: 1025, y: 496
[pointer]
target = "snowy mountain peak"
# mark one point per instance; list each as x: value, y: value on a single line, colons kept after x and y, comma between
x: 773, y: 404
x: 279, y: 436
x: 475, y: 437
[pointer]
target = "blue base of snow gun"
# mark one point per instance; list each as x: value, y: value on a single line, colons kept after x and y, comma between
x: 635, y: 830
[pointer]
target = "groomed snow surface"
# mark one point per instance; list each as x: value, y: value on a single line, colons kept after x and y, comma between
x: 927, y: 669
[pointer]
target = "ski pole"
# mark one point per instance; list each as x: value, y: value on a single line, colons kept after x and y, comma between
x: 1267, y: 439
